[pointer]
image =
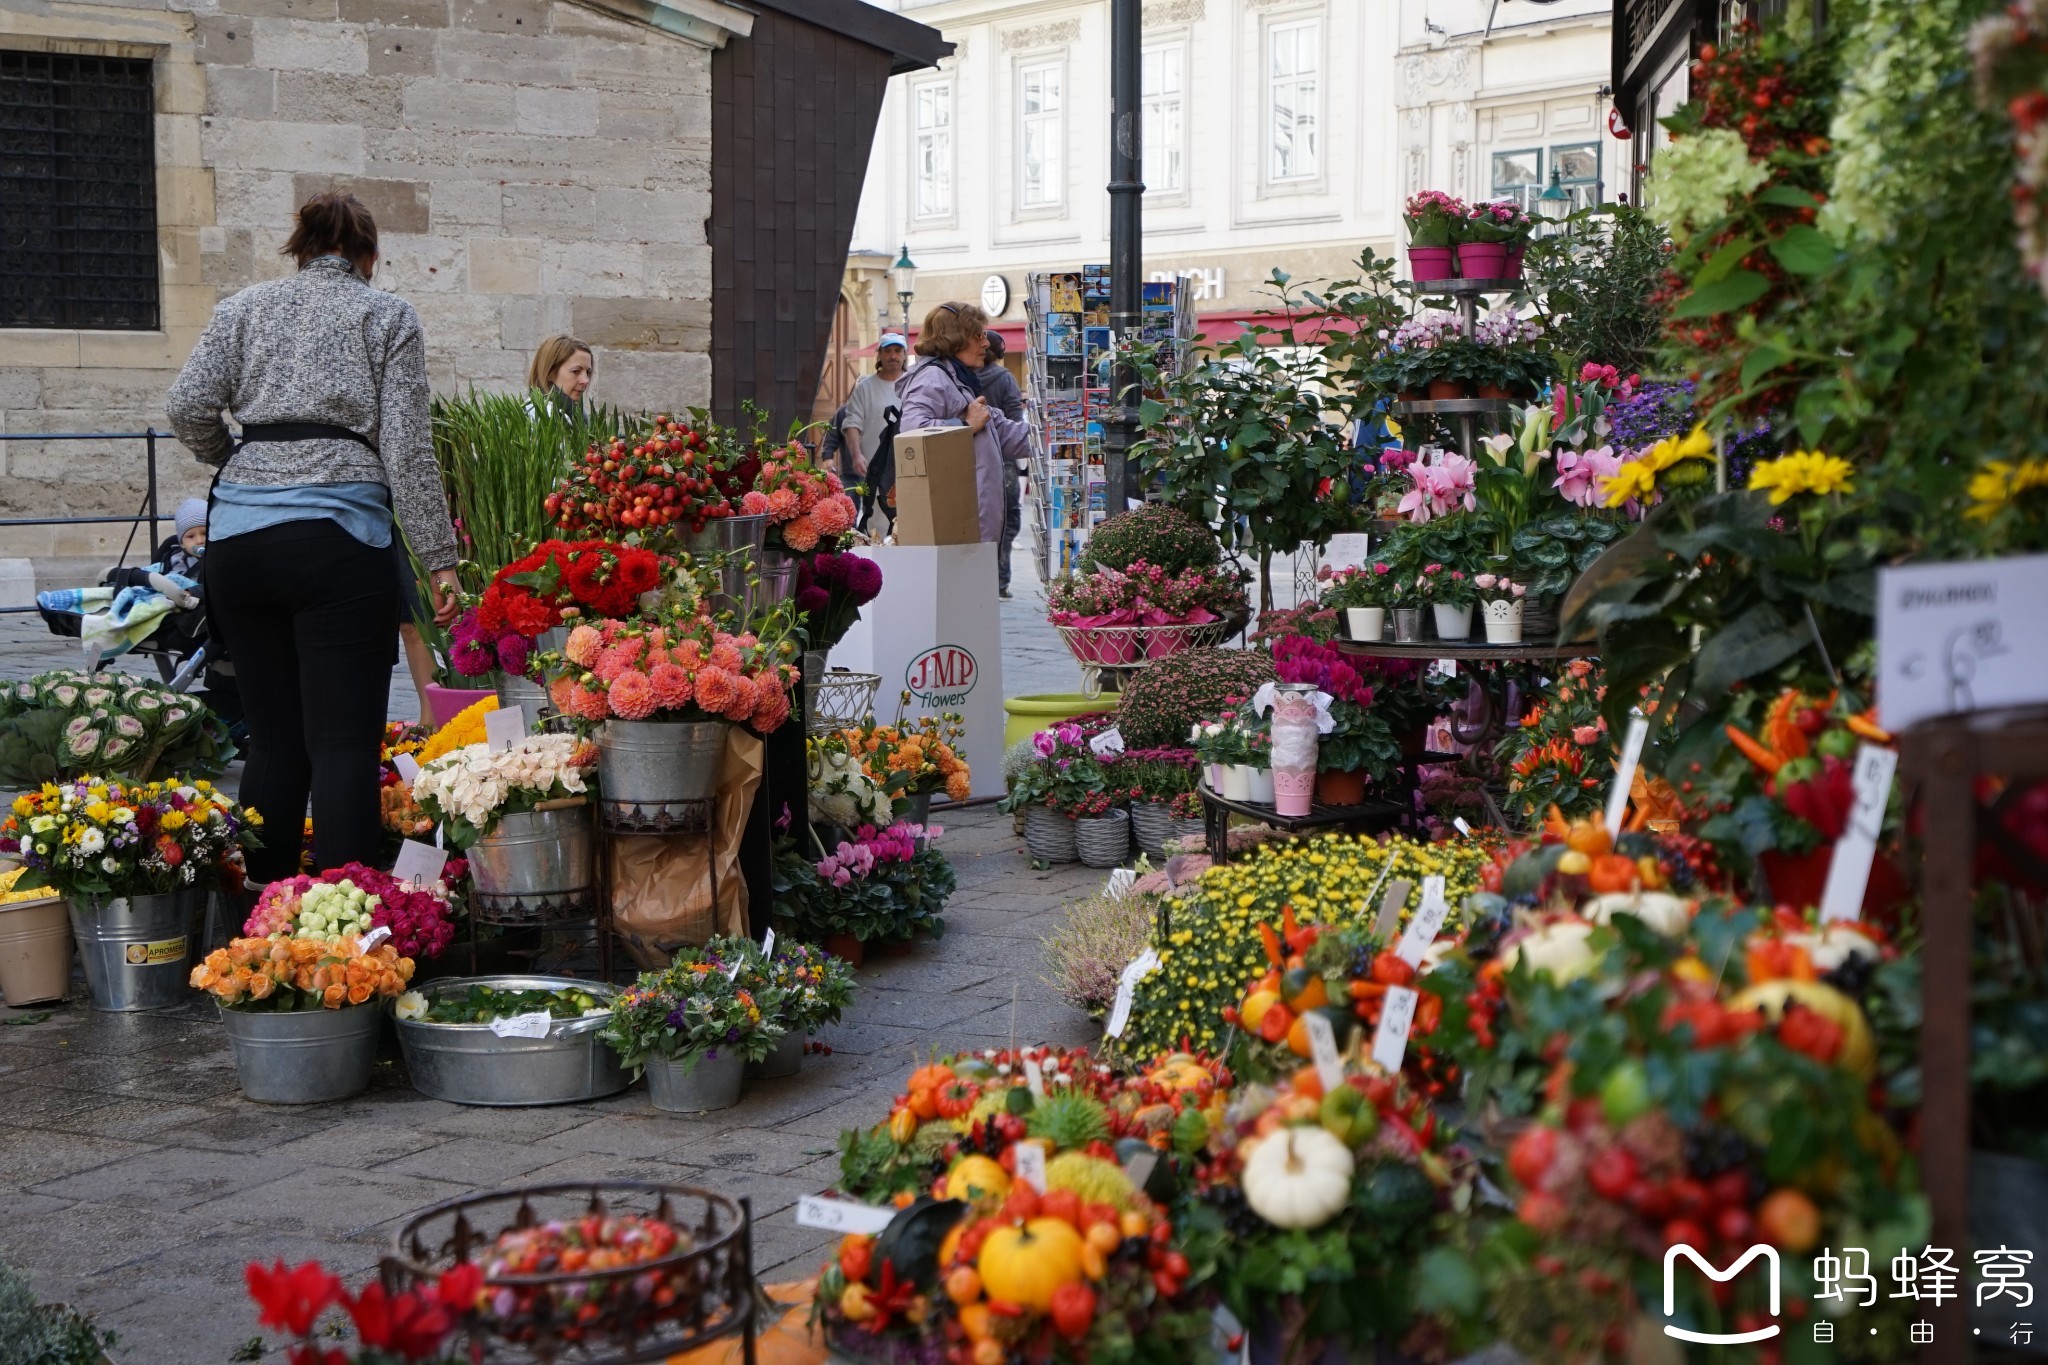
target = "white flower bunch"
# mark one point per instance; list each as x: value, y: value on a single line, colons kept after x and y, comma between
x: 476, y: 786
x: 333, y: 910
x: 843, y: 794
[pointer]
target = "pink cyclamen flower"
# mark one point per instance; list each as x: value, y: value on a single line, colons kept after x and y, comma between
x: 1581, y: 473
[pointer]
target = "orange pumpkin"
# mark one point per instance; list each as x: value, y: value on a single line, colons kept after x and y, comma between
x: 1026, y: 1265
x: 1611, y: 873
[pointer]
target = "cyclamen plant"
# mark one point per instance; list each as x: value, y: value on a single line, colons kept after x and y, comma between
x: 1146, y: 594
x: 1066, y: 773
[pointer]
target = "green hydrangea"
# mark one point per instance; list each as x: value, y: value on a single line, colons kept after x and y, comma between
x: 1697, y: 177
x: 1897, y: 61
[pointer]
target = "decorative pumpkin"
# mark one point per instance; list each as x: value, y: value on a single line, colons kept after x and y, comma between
x: 902, y: 1125
x: 975, y: 1176
x: 1559, y: 949
x: 1859, y: 1046
x: 1027, y: 1265
x: 1660, y: 911
x: 1298, y: 1177
x: 1182, y: 1073
x: 1835, y: 944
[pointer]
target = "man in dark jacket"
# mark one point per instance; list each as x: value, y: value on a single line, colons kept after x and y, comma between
x: 999, y: 387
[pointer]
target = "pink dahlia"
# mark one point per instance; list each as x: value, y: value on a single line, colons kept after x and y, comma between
x: 833, y: 515
x: 588, y: 703
x: 742, y: 704
x: 726, y: 655
x: 716, y: 688
x: 782, y: 504
x: 632, y: 695
x: 754, y: 503
x: 800, y: 535
x: 583, y: 646
x: 672, y: 686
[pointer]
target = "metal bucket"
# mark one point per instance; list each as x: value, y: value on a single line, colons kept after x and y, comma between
x: 713, y: 1083
x: 305, y: 1056
x: 784, y: 1061
x: 650, y: 769
x: 469, y: 1064
x: 536, y: 860
x: 135, y: 949
x: 775, y: 581
x: 527, y: 696
x: 35, y: 951
x: 742, y: 539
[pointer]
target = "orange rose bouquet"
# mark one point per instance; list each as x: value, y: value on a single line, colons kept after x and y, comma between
x: 914, y: 757
x: 301, y: 974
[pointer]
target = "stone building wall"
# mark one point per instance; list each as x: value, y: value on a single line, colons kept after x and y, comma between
x: 535, y: 166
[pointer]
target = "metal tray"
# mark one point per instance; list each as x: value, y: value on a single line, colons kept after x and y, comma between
x: 469, y: 1064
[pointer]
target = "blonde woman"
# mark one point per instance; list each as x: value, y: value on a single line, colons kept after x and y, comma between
x: 562, y: 369
x: 945, y: 390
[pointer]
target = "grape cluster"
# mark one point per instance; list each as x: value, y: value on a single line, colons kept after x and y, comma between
x: 1238, y: 1217
x: 1711, y: 1149
x: 1853, y: 978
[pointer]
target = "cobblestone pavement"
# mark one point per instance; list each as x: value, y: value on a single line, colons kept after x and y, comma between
x: 135, y: 1181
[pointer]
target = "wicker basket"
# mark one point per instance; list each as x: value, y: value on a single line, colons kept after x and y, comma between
x: 1049, y: 836
x: 1151, y: 827
x: 1104, y: 840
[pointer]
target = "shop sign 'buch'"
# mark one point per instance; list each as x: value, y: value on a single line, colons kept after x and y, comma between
x: 1969, y: 636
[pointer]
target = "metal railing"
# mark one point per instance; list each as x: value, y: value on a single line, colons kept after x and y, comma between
x: 148, y: 515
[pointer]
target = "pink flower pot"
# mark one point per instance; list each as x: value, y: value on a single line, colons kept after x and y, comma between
x: 1431, y: 263
x: 448, y: 702
x: 1514, y: 261
x: 1483, y: 260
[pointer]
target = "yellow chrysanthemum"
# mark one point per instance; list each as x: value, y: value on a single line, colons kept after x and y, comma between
x: 1694, y: 445
x: 1803, y: 471
x: 1999, y: 482
x: 1634, y: 481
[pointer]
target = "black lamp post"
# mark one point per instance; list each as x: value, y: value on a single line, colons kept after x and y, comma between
x: 904, y: 272
x: 1553, y: 206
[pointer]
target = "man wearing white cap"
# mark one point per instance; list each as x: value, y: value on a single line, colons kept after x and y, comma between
x: 869, y: 411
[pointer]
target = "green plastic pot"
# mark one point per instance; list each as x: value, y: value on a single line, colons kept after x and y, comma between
x: 1026, y: 716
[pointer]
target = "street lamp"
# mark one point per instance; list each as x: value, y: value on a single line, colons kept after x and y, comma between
x: 904, y: 272
x: 1554, y: 205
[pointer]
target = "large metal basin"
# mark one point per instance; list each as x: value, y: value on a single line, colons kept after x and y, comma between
x: 469, y: 1064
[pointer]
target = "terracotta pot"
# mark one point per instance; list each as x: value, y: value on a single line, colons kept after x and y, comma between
x: 1494, y: 391
x: 1414, y: 395
x: 1442, y: 389
x: 846, y: 948
x: 1340, y: 789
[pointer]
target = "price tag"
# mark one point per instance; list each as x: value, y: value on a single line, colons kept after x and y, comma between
x: 1126, y: 994
x: 1140, y: 1167
x: 1322, y: 1045
x: 418, y: 864
x: 1430, y: 918
x: 1849, y: 873
x: 1390, y: 909
x: 768, y: 945
x: 1625, y: 771
x: 1458, y: 823
x: 373, y: 938
x: 1034, y: 1078
x: 1121, y: 880
x: 533, y: 1025
x: 1228, y: 1337
x: 1031, y: 1163
x: 1447, y: 667
x: 732, y: 973
x: 504, y: 728
x: 1109, y: 742
x: 1397, y: 1016
x: 408, y: 766
x: 841, y: 1215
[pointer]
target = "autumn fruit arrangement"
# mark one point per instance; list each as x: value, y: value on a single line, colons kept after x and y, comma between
x: 1032, y: 1189
x: 600, y: 1277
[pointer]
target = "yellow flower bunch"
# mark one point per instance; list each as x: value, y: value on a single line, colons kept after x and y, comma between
x: 466, y: 729
x: 1213, y: 947
x: 2000, y: 483
x: 1803, y: 471
x: 1636, y: 481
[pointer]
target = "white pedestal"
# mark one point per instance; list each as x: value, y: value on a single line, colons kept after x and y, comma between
x: 936, y: 631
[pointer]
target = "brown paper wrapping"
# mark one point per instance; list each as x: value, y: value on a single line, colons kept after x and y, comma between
x: 661, y: 883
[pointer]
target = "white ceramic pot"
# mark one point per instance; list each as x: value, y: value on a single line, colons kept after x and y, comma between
x: 1504, y: 621
x: 1237, y: 782
x: 1262, y: 786
x: 1367, y: 623
x: 1215, y: 772
x: 1453, y: 623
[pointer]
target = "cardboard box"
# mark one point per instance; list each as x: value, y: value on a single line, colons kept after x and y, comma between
x: 935, y: 497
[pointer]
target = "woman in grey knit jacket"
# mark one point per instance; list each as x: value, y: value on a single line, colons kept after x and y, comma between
x: 328, y: 378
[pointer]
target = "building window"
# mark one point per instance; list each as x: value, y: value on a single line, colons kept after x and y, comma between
x: 1163, y: 80
x: 933, y: 106
x: 1042, y: 128
x: 78, y: 245
x: 1578, y: 170
x: 1294, y: 100
x: 1523, y: 175
x: 1518, y: 175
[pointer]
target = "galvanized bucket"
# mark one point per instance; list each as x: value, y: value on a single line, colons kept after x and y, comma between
x: 775, y: 581
x: 651, y: 769
x: 305, y: 1056
x: 713, y: 1083
x: 136, y: 951
x: 536, y: 860
x: 526, y: 696
x: 742, y: 539
x: 469, y: 1064
x: 784, y: 1061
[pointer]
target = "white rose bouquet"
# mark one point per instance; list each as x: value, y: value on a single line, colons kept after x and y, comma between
x: 469, y: 791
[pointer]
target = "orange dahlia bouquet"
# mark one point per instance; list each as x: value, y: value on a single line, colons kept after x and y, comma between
x: 287, y: 974
x: 913, y: 757
x: 806, y: 506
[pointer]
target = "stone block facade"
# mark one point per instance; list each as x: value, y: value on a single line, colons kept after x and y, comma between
x: 534, y: 166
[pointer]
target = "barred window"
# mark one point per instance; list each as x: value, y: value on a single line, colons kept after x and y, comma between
x: 78, y: 246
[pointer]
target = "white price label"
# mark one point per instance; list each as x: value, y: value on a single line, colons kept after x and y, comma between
x: 408, y: 766
x: 768, y: 945
x: 418, y: 864
x: 1228, y: 1338
x: 1428, y: 919
x: 1625, y: 771
x: 1031, y: 1165
x: 1397, y: 1016
x: 533, y: 1025
x: 1121, y: 880
x: 732, y: 973
x: 1034, y: 1078
x: 1447, y: 667
x: 373, y: 938
x: 1140, y: 1167
x: 1390, y: 909
x: 841, y: 1215
x: 1458, y: 823
x: 1322, y: 1045
x: 1108, y: 743
x: 504, y: 728
x: 1849, y: 872
x: 1126, y: 994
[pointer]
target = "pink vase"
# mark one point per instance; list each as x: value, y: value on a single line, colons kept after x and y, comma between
x: 1294, y: 749
x: 1430, y: 263
x: 1483, y: 260
x: 449, y: 702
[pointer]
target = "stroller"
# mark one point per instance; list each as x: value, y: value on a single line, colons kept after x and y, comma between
x: 177, y: 642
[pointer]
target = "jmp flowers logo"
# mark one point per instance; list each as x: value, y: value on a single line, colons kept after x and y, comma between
x: 1671, y: 1255
x: 941, y: 676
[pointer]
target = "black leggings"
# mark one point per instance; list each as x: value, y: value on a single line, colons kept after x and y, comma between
x: 309, y: 614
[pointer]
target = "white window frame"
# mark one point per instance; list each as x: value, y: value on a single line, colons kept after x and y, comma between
x: 937, y: 139
x: 1169, y: 152
x: 1051, y: 126
x: 1271, y: 85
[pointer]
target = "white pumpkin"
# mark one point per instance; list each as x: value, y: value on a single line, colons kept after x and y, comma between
x: 1659, y: 910
x: 1559, y: 949
x: 1834, y: 945
x: 1298, y: 1177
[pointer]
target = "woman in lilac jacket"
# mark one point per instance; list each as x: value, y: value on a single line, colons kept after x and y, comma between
x: 942, y: 390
